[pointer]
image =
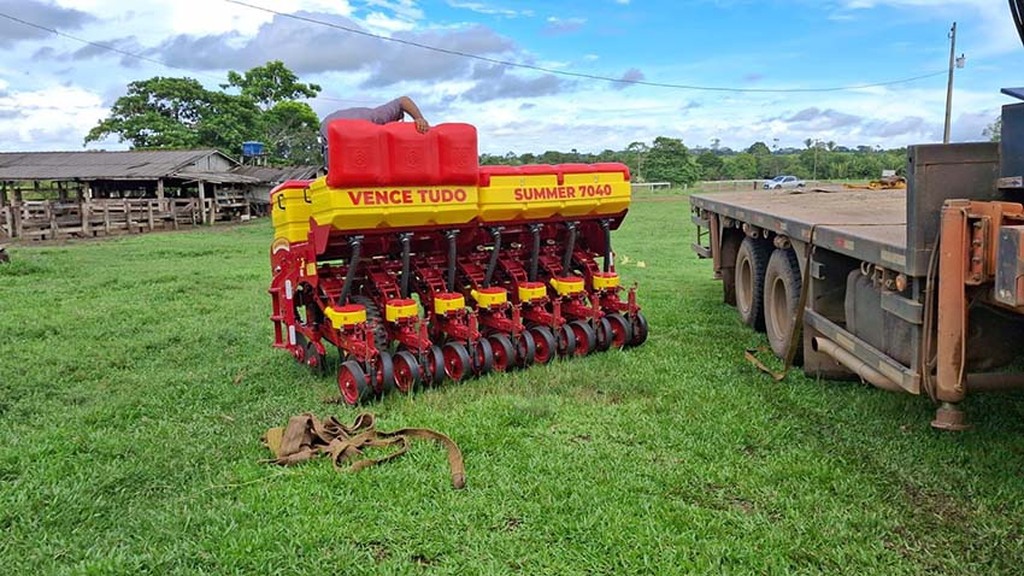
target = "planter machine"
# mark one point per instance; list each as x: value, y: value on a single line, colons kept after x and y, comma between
x: 418, y: 264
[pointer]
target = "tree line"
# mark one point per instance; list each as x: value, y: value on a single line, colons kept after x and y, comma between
x: 669, y: 160
x: 263, y: 105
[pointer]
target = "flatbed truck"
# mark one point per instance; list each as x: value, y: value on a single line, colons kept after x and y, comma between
x: 918, y: 290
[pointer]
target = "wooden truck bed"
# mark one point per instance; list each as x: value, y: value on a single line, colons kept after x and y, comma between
x: 866, y: 224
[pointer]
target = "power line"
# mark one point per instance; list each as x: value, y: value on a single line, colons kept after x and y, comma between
x: 462, y: 54
x: 581, y: 75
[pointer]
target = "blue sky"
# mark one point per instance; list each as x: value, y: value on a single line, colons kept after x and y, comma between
x: 54, y: 87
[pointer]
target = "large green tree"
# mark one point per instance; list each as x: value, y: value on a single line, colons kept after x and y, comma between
x: 712, y: 167
x: 157, y: 113
x: 669, y: 160
x: 181, y: 113
x: 290, y: 130
x: 270, y: 84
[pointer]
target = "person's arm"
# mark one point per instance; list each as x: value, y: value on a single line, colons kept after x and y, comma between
x: 410, y: 108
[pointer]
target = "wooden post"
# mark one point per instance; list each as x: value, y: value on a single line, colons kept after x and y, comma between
x: 17, y: 226
x: 161, y: 202
x: 215, y: 207
x: 86, y: 211
x: 3, y: 194
x: 202, y: 202
x: 128, y: 214
x: 106, y: 217
x: 149, y: 210
x: 51, y: 216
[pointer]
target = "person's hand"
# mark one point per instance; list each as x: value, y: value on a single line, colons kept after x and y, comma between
x: 422, y: 126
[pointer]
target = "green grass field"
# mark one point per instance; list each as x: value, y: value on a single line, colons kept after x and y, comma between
x: 136, y: 377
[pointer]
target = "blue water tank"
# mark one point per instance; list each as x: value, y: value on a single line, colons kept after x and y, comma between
x: 252, y: 148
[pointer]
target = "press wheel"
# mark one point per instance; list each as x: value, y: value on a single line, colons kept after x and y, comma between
x: 482, y: 357
x: 566, y: 341
x: 383, y: 375
x: 639, y: 327
x: 504, y: 352
x: 622, y: 331
x: 353, y: 383
x: 586, y: 338
x: 546, y: 345
x: 407, y: 371
x: 456, y: 361
x: 433, y: 366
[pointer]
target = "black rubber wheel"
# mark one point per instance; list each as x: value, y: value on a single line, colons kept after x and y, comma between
x: 526, y: 350
x: 374, y: 321
x: 504, y: 352
x: 566, y: 341
x: 482, y: 355
x: 639, y: 329
x: 586, y: 338
x: 456, y: 361
x: 382, y: 375
x: 314, y: 360
x: 603, y: 328
x: 781, y: 298
x: 353, y: 383
x: 433, y: 367
x: 751, y: 264
x: 407, y: 371
x: 546, y: 345
x: 622, y: 330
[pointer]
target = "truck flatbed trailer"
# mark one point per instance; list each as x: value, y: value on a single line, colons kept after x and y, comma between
x: 869, y: 224
x: 918, y: 290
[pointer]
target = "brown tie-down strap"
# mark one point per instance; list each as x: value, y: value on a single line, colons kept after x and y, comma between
x: 306, y: 437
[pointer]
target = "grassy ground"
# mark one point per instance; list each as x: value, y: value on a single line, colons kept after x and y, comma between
x: 136, y: 377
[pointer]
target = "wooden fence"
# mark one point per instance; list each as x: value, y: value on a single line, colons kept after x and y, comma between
x: 738, y: 185
x: 52, y: 219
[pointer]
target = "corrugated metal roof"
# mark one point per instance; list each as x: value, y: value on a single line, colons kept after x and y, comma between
x: 131, y: 165
x: 276, y: 175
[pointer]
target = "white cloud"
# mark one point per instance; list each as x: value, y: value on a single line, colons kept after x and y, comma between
x: 380, y: 23
x: 490, y: 10
x: 57, y: 117
x: 157, y: 19
x: 993, y: 34
x: 402, y: 9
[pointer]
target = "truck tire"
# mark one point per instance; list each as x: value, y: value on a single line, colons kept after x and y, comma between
x: 751, y: 263
x: 782, y: 285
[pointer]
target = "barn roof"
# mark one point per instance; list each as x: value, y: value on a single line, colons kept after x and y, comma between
x: 276, y: 175
x: 97, y: 165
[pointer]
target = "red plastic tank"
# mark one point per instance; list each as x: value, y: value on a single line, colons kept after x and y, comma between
x: 412, y: 157
x: 457, y: 147
x: 357, y: 154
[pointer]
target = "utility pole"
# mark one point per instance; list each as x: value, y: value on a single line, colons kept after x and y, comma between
x: 949, y: 84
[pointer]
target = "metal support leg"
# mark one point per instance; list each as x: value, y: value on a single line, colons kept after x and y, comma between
x: 606, y: 227
x: 453, y: 254
x: 534, y: 251
x: 493, y: 262
x: 952, y: 322
x: 356, y: 243
x: 570, y: 246
x: 405, y: 238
